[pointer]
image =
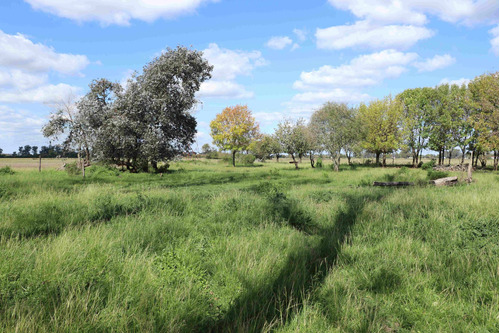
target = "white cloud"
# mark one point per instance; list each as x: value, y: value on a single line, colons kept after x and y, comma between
x: 223, y: 89
x: 364, y: 70
x: 19, y: 127
x: 494, y: 40
x: 18, y: 52
x: 367, y: 35
x: 279, y: 42
x: 45, y: 94
x: 294, y: 47
x: 437, y: 62
x: 458, y: 82
x: 337, y: 94
x: 228, y: 65
x: 20, y: 80
x: 467, y: 12
x: 117, y: 12
x: 300, y: 34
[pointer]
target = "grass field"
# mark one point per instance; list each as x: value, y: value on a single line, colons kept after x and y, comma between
x: 211, y: 248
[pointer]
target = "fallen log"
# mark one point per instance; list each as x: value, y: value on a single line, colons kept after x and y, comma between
x: 393, y: 184
x: 444, y: 181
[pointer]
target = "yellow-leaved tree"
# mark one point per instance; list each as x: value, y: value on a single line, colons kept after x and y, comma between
x: 234, y: 129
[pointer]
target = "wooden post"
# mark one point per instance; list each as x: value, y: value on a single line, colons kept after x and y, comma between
x: 40, y: 163
x: 469, y: 170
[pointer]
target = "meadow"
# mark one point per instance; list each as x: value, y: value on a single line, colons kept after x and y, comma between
x: 211, y: 248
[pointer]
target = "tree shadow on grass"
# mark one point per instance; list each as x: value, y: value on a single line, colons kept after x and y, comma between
x: 266, y: 306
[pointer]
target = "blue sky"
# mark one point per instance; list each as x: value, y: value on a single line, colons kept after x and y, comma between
x: 281, y: 58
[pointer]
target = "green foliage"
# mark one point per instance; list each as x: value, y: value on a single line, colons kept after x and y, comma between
x: 435, y: 174
x: 428, y: 165
x: 246, y: 159
x: 319, y: 162
x: 73, y: 169
x: 6, y: 170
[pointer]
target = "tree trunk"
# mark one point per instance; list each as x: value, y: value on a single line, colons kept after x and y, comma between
x: 294, y: 161
x: 311, y: 158
x: 336, y: 161
x: 449, y: 157
x: 40, y: 163
x: 154, y: 164
x: 495, y: 160
x: 234, y: 158
x: 384, y: 160
x: 414, y: 155
x: 463, y: 156
x: 377, y: 158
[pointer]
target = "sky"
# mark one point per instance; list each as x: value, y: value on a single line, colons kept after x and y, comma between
x: 283, y: 59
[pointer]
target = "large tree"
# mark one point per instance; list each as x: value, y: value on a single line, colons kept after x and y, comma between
x: 147, y: 122
x: 234, y: 129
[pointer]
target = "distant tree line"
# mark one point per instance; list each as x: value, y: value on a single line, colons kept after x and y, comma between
x: 451, y: 120
x: 49, y: 151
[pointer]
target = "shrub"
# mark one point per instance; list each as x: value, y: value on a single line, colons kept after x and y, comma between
x: 246, y: 159
x: 428, y: 165
x: 102, y: 170
x: 72, y: 169
x: 6, y: 170
x: 367, y: 162
x: 212, y: 155
x: 434, y: 174
x: 319, y: 162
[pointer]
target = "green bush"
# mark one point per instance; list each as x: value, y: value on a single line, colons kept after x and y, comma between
x: 72, y: 169
x: 434, y: 174
x: 246, y: 159
x: 319, y: 162
x: 6, y: 170
x: 428, y: 165
x: 102, y: 170
x: 212, y: 155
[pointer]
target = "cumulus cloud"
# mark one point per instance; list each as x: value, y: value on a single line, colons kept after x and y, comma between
x: 17, y: 51
x: 494, y: 41
x: 468, y: 12
x: 367, y: 35
x: 44, y: 94
x: 458, y: 82
x: 437, y: 62
x: 364, y: 70
x: 19, y: 127
x: 224, y: 89
x: 117, y: 12
x: 228, y: 65
x: 279, y: 43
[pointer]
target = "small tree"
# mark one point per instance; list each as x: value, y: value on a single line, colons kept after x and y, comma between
x: 206, y: 149
x: 292, y: 138
x: 381, y: 123
x: 234, y: 129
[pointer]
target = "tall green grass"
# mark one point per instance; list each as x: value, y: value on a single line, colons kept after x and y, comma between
x: 211, y: 248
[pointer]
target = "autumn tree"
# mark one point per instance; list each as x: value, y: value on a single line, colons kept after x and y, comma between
x: 381, y: 123
x: 234, y: 129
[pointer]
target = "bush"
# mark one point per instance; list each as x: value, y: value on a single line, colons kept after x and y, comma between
x: 434, y: 174
x: 6, y: 170
x: 246, y: 159
x: 212, y: 155
x: 102, y: 170
x: 319, y: 162
x: 367, y: 162
x: 72, y: 169
x: 428, y: 165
